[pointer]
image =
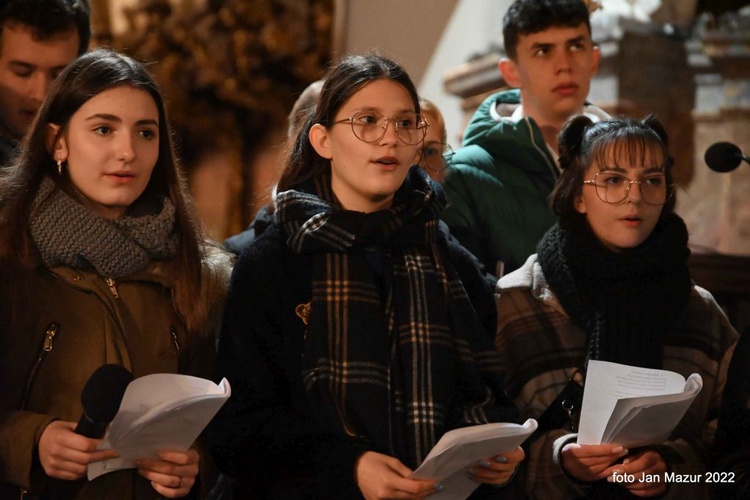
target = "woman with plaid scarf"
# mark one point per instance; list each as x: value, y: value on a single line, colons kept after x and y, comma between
x: 357, y: 333
x: 611, y: 282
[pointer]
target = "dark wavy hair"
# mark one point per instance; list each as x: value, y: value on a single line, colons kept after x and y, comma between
x: 582, y: 143
x: 342, y: 82
x: 50, y: 17
x: 90, y: 75
x: 525, y: 17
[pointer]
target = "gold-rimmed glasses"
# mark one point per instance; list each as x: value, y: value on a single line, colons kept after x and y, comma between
x: 370, y: 126
x: 613, y: 187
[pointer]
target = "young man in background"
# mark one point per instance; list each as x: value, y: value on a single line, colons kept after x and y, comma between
x: 499, y: 182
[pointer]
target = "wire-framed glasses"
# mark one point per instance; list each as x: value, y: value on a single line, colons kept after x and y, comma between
x: 436, y: 156
x: 612, y: 187
x: 370, y: 126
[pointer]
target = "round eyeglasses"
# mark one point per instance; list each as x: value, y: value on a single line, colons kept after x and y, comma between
x: 370, y: 126
x: 436, y: 156
x: 613, y: 188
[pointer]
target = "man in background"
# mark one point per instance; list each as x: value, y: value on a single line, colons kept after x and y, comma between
x: 38, y: 38
x: 500, y: 180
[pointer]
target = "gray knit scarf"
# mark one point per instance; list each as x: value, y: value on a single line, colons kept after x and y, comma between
x: 394, y: 353
x: 68, y: 233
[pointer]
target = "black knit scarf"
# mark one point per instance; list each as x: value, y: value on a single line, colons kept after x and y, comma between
x: 400, y: 360
x: 622, y: 300
x: 68, y: 233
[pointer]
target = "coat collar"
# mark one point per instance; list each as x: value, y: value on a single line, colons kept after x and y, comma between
x: 531, y: 277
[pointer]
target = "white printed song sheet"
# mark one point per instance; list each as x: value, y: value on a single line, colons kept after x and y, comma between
x: 633, y: 406
x: 163, y: 411
x: 459, y: 449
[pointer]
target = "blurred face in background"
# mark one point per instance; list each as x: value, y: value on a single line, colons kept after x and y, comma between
x: 28, y: 66
x: 432, y: 153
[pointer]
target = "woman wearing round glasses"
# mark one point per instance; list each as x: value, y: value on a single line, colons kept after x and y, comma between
x: 610, y: 282
x: 356, y: 334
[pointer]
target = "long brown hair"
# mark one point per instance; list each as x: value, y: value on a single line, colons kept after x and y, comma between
x: 86, y: 77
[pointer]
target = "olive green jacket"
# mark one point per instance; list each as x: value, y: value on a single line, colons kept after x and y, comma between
x: 74, y: 322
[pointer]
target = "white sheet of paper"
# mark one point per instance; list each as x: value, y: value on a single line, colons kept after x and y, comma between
x: 461, y: 448
x: 633, y: 406
x: 163, y: 411
x: 647, y: 420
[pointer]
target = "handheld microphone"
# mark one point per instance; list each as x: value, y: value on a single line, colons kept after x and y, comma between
x: 724, y: 157
x: 101, y: 398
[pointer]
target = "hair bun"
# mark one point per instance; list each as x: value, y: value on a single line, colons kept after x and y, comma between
x: 654, y: 124
x: 570, y: 139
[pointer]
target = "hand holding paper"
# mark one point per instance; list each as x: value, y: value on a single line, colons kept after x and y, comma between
x: 159, y: 412
x: 633, y: 406
x: 459, y: 449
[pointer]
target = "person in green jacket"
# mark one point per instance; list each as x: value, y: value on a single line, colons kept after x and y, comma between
x: 102, y: 261
x: 500, y: 180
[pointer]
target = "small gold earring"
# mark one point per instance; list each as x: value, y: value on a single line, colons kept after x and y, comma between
x: 59, y: 166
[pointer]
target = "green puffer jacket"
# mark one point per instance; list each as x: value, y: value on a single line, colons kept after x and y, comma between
x: 499, y: 184
x: 76, y: 322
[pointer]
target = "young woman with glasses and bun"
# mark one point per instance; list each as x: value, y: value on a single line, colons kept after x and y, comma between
x: 610, y: 281
x: 351, y: 342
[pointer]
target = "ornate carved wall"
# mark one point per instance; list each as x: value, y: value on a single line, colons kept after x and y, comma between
x: 231, y: 71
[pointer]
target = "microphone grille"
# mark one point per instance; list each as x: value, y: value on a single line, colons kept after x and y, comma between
x: 723, y: 157
x: 103, y: 392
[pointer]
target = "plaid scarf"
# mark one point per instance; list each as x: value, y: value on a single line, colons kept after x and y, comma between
x: 396, y: 358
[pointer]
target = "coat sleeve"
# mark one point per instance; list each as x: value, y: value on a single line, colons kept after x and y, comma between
x: 692, y: 452
x: 478, y: 283
x: 265, y: 435
x: 732, y: 444
x: 494, y: 220
x: 688, y: 453
x: 20, y: 432
x: 521, y: 346
x: 463, y: 213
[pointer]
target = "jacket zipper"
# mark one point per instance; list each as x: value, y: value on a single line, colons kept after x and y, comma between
x: 112, y: 287
x: 47, y: 345
x: 553, y: 167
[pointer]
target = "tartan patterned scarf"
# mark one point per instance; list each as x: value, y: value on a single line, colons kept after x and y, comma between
x: 398, y: 358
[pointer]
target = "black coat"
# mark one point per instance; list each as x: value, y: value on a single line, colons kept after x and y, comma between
x: 266, y: 439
